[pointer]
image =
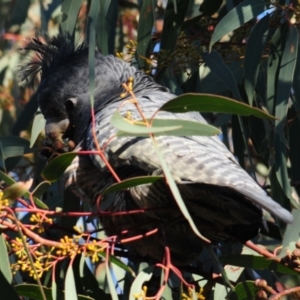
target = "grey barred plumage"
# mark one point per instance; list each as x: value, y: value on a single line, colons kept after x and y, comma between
x: 224, y: 201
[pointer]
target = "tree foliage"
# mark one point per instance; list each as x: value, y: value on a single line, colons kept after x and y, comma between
x: 238, y: 62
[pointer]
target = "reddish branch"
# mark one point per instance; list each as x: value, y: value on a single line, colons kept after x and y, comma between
x: 286, y: 292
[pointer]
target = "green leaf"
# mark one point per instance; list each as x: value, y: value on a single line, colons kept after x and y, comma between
x: 215, y: 63
x: 19, y: 13
x: 171, y: 30
x: 71, y: 9
x: 296, y: 85
x: 256, y: 262
x: 7, y: 289
x: 32, y: 291
x: 38, y: 125
x: 243, y: 291
x: 41, y: 189
x: 113, y: 259
x: 27, y: 114
x: 2, y: 162
x: 187, y: 128
x: 286, y: 75
x: 279, y: 196
x: 10, y: 181
x: 111, y: 285
x: 281, y: 171
x: 220, y: 291
x: 210, y: 83
x: 168, y: 290
x: 175, y: 6
x: 15, y: 191
x: 212, y: 103
x: 91, y: 34
x: 89, y: 281
x: 111, y: 26
x: 258, y: 132
x: 237, y: 140
x: 101, y: 27
x: 233, y: 273
x: 294, y: 147
x: 253, y: 55
x: 40, y: 203
x: 146, y: 23
x: 53, y: 289
x: 47, y: 13
x: 14, y: 146
x: 128, y: 183
x: 291, y: 235
x: 276, y: 52
x: 57, y: 166
x: 4, y: 261
x: 238, y: 16
x: 172, y: 24
x: 284, y: 85
x: 137, y: 285
x: 175, y: 191
x: 168, y: 79
x: 70, y: 287
x: 120, y: 123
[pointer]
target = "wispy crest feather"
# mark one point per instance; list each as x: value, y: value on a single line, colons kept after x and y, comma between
x: 51, y: 52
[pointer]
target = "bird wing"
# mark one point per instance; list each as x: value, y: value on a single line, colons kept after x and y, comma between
x: 195, y: 159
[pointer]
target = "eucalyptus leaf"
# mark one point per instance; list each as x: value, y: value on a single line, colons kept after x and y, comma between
x: 243, y: 291
x: 212, y: 103
x: 125, y: 125
x: 4, y: 260
x: 215, y: 63
x: 145, y: 27
x: 254, y: 51
x: 32, y: 291
x: 113, y: 259
x: 274, y: 59
x: 239, y: 15
x: 171, y: 30
x: 38, y: 125
x: 128, y: 183
x: 102, y: 26
x: 14, y: 146
x: 15, y: 191
x: 256, y: 262
x: 291, y: 235
x: 70, y: 287
x: 111, y: 285
x: 71, y: 9
x: 184, y: 128
x: 137, y: 285
x: 41, y: 188
x: 57, y: 166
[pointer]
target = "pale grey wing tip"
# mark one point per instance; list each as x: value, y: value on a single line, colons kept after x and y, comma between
x: 267, y: 203
x: 284, y: 215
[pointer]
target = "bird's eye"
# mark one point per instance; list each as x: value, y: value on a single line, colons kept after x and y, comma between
x: 70, y: 104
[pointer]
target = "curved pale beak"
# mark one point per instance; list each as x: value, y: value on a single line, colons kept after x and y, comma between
x: 55, y: 129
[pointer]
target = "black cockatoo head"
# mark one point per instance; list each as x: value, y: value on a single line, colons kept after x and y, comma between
x: 64, y: 90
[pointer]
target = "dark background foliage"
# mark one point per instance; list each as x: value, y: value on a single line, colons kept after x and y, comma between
x: 246, y: 50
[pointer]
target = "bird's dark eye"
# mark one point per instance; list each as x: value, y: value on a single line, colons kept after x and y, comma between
x: 70, y: 104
